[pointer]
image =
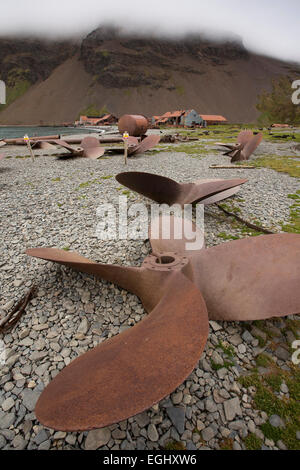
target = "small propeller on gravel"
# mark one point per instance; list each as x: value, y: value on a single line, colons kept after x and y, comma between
x: 167, y: 191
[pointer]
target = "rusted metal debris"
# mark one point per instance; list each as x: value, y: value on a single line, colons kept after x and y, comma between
x: 10, y: 320
x: 174, y: 138
x: 137, y: 146
x: 246, y: 144
x: 75, y: 152
x: 165, y: 190
x: 250, y: 279
x: 105, y: 139
x: 134, y: 370
x: 146, y: 144
x: 136, y: 125
x: 91, y: 148
x: 43, y: 145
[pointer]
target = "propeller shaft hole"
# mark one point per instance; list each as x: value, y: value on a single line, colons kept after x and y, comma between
x: 165, y: 260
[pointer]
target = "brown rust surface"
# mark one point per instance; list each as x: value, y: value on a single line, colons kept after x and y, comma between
x: 172, y: 233
x: 132, y: 371
x: 250, y: 279
x: 136, y: 125
x: 92, y: 148
x: 146, y: 144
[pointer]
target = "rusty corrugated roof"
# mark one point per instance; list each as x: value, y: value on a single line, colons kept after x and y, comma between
x: 212, y: 117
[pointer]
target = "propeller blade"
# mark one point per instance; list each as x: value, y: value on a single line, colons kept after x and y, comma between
x: 197, y: 192
x: 61, y: 143
x: 133, y: 142
x: 244, y: 137
x: 124, y: 276
x: 146, y: 144
x: 236, y: 156
x: 251, y: 146
x: 220, y: 196
x: 175, y: 234
x: 42, y: 144
x: 92, y: 148
x: 158, y: 188
x: 147, y: 282
x: 167, y: 191
x: 250, y: 279
x: 132, y: 371
x: 228, y: 146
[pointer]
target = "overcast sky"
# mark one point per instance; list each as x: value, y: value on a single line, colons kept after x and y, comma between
x: 267, y: 26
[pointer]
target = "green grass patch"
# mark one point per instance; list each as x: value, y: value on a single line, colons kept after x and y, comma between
x: 225, y: 236
x: 106, y: 177
x: 15, y: 91
x: 262, y: 360
x: 87, y: 184
x: 281, y: 164
x: 227, y: 349
x: 252, y: 442
x: 265, y: 399
x: 294, y: 224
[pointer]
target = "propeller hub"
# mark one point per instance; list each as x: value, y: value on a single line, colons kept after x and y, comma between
x: 165, y: 261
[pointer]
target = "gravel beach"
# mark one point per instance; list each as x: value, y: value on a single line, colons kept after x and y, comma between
x: 53, y: 202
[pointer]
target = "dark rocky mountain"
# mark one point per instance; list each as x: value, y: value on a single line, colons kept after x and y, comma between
x: 52, y: 82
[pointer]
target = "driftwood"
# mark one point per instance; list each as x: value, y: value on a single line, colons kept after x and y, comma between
x: 232, y: 167
x: 245, y: 222
x: 10, y: 320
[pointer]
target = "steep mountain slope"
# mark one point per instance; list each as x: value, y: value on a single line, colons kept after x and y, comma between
x: 135, y: 75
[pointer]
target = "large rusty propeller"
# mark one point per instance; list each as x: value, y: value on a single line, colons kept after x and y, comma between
x: 250, y: 279
x: 134, y: 370
x: 165, y: 190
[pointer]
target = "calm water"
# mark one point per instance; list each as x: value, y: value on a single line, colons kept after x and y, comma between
x: 14, y: 132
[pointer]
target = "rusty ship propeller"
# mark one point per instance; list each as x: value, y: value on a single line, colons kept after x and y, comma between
x: 249, y: 279
x: 167, y: 191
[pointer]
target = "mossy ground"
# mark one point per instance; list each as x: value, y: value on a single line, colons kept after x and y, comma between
x: 267, y: 399
x: 282, y: 164
x: 174, y: 445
